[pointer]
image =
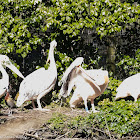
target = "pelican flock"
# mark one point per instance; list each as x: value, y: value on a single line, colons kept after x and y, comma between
x: 40, y: 82
x: 4, y: 82
x: 129, y: 87
x: 89, y: 84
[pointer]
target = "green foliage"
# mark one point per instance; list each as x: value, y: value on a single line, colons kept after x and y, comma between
x: 112, y: 86
x: 129, y: 66
x: 26, y: 28
x: 107, y: 16
x: 17, y: 24
x: 24, y: 24
x: 122, y: 117
x: 63, y: 62
x: 58, y: 122
x: 115, y: 120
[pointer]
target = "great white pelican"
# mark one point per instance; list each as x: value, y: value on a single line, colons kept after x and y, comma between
x: 89, y: 84
x: 40, y: 82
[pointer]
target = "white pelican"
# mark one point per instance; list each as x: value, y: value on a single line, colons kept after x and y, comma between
x: 129, y: 87
x: 4, y: 82
x: 40, y: 82
x: 89, y: 84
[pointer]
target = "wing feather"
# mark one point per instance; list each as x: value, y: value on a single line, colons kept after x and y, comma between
x: 68, y: 83
x: 68, y: 77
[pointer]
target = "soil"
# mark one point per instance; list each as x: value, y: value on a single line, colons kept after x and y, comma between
x: 14, y: 127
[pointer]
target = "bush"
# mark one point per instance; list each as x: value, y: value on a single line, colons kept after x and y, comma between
x: 128, y: 65
x: 115, y: 120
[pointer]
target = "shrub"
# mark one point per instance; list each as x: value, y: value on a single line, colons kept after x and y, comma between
x: 115, y: 120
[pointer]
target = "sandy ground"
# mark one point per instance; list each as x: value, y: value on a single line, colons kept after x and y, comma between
x: 13, y: 127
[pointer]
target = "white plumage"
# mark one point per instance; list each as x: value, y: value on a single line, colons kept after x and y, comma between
x: 40, y: 82
x: 4, y: 82
x: 68, y: 77
x: 129, y: 87
x: 89, y: 85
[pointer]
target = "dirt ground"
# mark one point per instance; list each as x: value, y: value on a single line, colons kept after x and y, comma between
x: 15, y: 126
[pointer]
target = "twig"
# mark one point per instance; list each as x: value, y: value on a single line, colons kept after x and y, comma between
x: 100, y: 137
x: 99, y: 130
x: 63, y: 135
x: 33, y: 136
x: 130, y: 138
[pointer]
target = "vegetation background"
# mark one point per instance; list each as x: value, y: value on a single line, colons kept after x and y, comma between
x: 105, y: 32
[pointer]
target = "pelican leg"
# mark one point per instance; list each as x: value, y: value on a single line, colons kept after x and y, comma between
x: 40, y: 96
x: 93, y: 107
x: 86, y: 107
x: 39, y: 105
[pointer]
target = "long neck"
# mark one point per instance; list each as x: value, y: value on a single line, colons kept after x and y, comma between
x: 4, y: 73
x: 5, y: 76
x: 52, y: 61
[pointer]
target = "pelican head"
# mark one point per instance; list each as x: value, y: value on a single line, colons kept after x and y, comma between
x: 5, y: 61
x: 53, y: 45
x: 76, y: 63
